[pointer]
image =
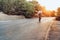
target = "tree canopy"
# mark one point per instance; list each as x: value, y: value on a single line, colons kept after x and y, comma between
x: 17, y: 7
x: 58, y: 12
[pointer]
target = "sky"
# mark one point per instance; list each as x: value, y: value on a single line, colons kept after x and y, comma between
x: 50, y: 4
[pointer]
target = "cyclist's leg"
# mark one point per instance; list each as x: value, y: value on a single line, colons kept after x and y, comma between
x: 39, y: 19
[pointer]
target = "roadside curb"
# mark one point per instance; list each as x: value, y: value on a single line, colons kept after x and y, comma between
x: 47, y: 33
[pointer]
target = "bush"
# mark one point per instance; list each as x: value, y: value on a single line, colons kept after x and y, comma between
x: 17, y: 7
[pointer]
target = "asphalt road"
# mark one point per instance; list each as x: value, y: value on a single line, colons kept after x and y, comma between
x: 24, y: 29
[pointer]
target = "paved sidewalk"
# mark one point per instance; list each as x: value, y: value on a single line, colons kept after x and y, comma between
x: 54, y: 33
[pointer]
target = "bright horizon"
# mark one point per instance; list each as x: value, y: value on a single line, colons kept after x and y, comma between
x: 50, y: 4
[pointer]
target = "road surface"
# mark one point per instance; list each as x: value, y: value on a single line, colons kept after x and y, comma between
x: 24, y: 29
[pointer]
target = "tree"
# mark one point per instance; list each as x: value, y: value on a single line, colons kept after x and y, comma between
x: 37, y: 6
x: 24, y: 8
x: 58, y: 12
x: 17, y: 7
x: 1, y: 6
x: 53, y: 13
x: 29, y: 10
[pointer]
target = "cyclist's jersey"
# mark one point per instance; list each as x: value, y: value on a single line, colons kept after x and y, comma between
x: 39, y: 12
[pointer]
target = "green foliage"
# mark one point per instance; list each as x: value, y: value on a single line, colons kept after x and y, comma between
x: 17, y: 7
x: 29, y: 10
